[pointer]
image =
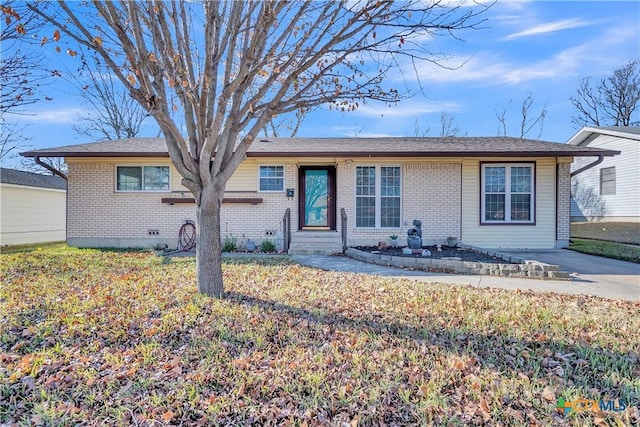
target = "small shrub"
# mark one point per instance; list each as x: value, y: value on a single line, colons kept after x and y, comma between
x: 267, y: 246
x: 229, y: 244
x: 159, y: 246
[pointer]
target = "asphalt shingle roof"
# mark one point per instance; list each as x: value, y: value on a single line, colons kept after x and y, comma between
x: 332, y: 147
x: 30, y: 179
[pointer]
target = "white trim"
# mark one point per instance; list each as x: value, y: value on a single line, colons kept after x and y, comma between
x: 507, y: 193
x: 377, y: 196
x: 284, y: 173
x: 137, y: 165
x: 584, y: 133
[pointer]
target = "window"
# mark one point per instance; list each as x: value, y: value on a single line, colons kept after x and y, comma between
x: 378, y: 196
x: 507, y: 193
x: 608, y: 181
x: 271, y: 178
x: 142, y: 178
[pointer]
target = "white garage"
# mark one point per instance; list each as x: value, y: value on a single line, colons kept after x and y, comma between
x: 32, y: 207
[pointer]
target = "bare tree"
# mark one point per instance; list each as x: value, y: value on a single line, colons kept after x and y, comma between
x: 417, y: 132
x: 612, y: 102
x: 9, y: 142
x: 113, y: 114
x: 529, y: 121
x: 288, y: 124
x: 448, y: 126
x: 21, y: 72
x: 234, y: 65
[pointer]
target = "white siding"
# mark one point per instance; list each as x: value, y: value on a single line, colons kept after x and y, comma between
x: 245, y: 178
x: 541, y: 235
x: 430, y: 193
x: 31, y: 214
x: 625, y: 204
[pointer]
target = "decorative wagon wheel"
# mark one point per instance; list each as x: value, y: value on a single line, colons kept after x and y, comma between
x: 187, y: 236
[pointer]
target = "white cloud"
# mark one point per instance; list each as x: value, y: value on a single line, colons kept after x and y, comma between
x: 405, y: 109
x: 490, y: 68
x: 550, y: 27
x: 60, y: 116
x: 466, y: 3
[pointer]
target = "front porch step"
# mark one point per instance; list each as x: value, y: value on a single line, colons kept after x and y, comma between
x: 315, y: 243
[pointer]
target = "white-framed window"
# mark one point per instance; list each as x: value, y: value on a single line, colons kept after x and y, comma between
x: 608, y: 181
x: 378, y: 196
x: 507, y: 193
x: 271, y: 178
x: 142, y: 178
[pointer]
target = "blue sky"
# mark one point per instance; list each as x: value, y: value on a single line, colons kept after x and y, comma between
x: 539, y: 47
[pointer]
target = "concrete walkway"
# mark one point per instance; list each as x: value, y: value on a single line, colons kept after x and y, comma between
x: 616, y: 281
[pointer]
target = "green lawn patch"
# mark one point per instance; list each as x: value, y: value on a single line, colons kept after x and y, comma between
x: 12, y: 249
x: 100, y: 337
x: 607, y: 249
x: 621, y: 232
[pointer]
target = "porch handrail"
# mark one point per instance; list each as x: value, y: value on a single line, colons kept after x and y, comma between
x: 286, y: 230
x: 343, y: 227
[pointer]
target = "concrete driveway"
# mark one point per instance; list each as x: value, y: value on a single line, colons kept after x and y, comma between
x: 589, y: 274
x: 606, y: 277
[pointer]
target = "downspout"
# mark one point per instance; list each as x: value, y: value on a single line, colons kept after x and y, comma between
x: 589, y: 166
x: 49, y: 168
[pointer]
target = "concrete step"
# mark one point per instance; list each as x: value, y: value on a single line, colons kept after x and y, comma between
x: 315, y: 243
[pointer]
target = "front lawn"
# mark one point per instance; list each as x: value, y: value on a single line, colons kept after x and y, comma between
x: 607, y: 249
x: 623, y: 232
x: 91, y: 337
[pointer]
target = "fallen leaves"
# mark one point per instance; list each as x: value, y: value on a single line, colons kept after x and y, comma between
x: 124, y: 338
x: 549, y: 395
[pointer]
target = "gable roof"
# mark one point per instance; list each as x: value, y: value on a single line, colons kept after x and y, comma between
x: 585, y: 135
x: 349, y: 147
x: 30, y: 179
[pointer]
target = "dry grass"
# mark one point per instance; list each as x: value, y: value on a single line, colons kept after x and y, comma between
x: 91, y: 337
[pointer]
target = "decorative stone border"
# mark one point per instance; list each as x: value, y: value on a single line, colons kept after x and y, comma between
x: 522, y: 268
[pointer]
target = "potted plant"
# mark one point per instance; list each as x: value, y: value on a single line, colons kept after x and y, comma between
x: 452, y: 241
x: 394, y: 240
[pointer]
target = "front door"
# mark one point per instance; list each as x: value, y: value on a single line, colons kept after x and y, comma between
x: 317, y: 203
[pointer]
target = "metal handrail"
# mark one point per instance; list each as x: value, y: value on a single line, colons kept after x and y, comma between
x: 343, y: 226
x: 286, y: 230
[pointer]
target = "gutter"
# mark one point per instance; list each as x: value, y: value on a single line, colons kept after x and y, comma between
x: 50, y: 168
x: 589, y: 166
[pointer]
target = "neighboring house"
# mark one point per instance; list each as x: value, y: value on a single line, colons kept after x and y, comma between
x: 610, y: 190
x: 32, y: 207
x: 489, y: 192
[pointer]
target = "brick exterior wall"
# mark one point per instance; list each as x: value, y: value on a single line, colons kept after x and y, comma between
x: 98, y: 216
x: 563, y: 220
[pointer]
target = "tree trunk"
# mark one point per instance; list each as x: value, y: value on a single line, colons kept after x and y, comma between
x: 208, y: 244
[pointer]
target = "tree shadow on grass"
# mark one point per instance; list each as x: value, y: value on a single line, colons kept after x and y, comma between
x: 594, y: 371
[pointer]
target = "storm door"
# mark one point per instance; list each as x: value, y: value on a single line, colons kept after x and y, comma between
x: 317, y: 202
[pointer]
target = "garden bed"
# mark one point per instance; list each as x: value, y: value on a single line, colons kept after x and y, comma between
x: 446, y: 252
x: 459, y: 260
